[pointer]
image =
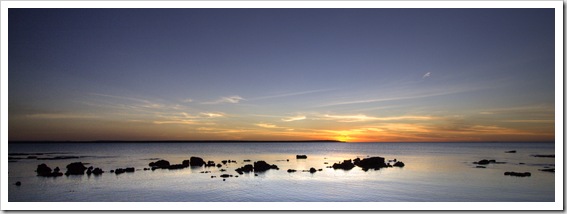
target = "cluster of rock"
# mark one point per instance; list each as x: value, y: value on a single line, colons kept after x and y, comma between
x: 366, y: 164
x: 123, y: 170
x: 45, y: 171
x: 259, y: 166
x: 76, y: 168
x: 486, y: 162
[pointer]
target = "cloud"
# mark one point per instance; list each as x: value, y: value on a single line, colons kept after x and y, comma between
x: 363, y: 118
x: 187, y: 100
x: 231, y: 99
x: 428, y: 74
x: 212, y: 114
x: 291, y: 94
x: 296, y: 118
x: 61, y: 116
x: 267, y: 125
x: 186, y: 122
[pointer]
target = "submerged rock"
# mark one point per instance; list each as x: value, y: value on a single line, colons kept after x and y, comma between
x: 548, y: 170
x: 291, y: 170
x: 312, y: 170
x: 301, y: 156
x: 120, y: 170
x: 262, y: 166
x: 247, y: 168
x: 399, y: 164
x: 511, y: 151
x: 518, y: 174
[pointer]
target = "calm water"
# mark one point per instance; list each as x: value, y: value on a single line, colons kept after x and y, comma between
x: 433, y: 172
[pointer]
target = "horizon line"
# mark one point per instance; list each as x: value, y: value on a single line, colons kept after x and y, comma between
x: 259, y: 141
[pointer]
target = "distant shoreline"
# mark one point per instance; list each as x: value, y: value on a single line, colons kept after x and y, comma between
x: 251, y: 141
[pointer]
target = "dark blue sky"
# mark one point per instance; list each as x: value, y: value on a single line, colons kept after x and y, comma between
x: 349, y: 74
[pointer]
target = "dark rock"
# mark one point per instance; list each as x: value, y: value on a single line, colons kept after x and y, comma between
x: 223, y: 179
x: 326, y: 163
x: 43, y: 170
x: 312, y: 170
x: 224, y: 175
x: 255, y: 174
x: 97, y: 171
x: 224, y: 161
x: 236, y: 176
x: 146, y: 169
x: 196, y: 161
x: 160, y: 164
x: 120, y: 170
x: 76, y: 168
x: 274, y: 167
x: 210, y: 164
x: 482, y: 162
x: 320, y: 170
x: 185, y: 163
x: 219, y: 165
x: 287, y: 160
x: 511, y: 151
x: 212, y: 176
x: 481, y: 167
x: 301, y: 156
x: 399, y: 164
x: 345, y: 165
x: 370, y: 163
x: 112, y: 171
x: 522, y: 163
x: 548, y: 170
x: 18, y: 183
x: 518, y: 174
x: 247, y: 168
x: 291, y: 170
x: 544, y: 156
x: 176, y: 166
x: 246, y: 160
x: 262, y: 166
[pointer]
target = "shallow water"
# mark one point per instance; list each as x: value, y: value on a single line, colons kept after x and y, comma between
x: 433, y: 172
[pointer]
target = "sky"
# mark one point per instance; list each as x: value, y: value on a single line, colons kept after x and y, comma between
x: 354, y: 75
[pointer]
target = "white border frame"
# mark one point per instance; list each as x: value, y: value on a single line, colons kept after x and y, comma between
x: 557, y: 205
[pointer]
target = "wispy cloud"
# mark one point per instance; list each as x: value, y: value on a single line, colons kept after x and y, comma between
x: 266, y: 125
x: 428, y: 74
x: 291, y: 94
x: 187, y: 100
x: 231, y: 99
x: 61, y: 116
x: 213, y: 114
x: 296, y: 118
x: 363, y: 118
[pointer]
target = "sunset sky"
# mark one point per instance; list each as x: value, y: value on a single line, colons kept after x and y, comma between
x: 357, y: 75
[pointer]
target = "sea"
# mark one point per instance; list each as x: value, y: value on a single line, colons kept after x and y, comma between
x: 432, y: 172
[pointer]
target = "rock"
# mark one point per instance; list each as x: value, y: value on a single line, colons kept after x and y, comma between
x: 212, y: 176
x: 18, y: 183
x: 223, y: 179
x: 43, y: 170
x: 176, y: 166
x: 291, y: 170
x: 255, y: 174
x: 370, y: 163
x: 320, y: 170
x: 274, y: 167
x: 97, y: 171
x: 224, y: 161
x: 511, y: 151
x: 518, y: 174
x: 345, y: 165
x: 146, y: 169
x: 224, y: 175
x: 247, y: 168
x: 185, y: 163
x: 548, y: 170
x: 287, y: 160
x: 120, y: 170
x: 112, y: 171
x: 160, y: 164
x: 246, y: 160
x: 312, y: 170
x: 399, y: 164
x: 262, y: 166
x: 544, y: 156
x: 76, y: 168
x: 236, y: 176
x: 482, y: 162
x: 326, y: 163
x: 196, y: 161
x: 301, y: 156
x: 219, y: 165
x: 522, y: 163
x: 481, y: 167
x: 210, y: 164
